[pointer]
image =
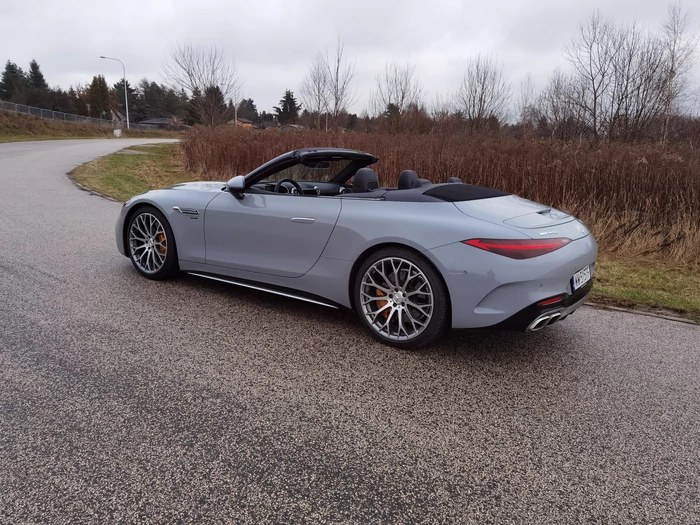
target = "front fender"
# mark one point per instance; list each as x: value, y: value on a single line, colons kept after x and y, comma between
x: 188, y: 228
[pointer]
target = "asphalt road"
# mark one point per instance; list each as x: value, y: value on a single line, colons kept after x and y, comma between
x: 129, y: 401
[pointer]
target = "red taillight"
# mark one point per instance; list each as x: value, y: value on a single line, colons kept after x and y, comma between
x: 551, y: 300
x: 519, y: 248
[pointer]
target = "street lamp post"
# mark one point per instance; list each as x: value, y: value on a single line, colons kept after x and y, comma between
x: 126, y: 94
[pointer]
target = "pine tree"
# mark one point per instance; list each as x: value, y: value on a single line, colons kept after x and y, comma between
x: 192, y: 115
x: 99, y: 98
x: 36, y: 77
x: 140, y: 110
x: 288, y: 110
x: 79, y: 98
x: 247, y: 109
x: 131, y: 93
x: 172, y: 104
x: 214, y: 111
x: 13, y: 82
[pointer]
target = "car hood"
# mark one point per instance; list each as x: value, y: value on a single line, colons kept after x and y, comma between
x: 198, y: 186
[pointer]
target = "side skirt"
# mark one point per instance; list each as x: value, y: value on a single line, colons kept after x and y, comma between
x: 283, y: 293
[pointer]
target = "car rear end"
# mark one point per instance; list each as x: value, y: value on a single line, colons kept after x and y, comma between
x: 536, y: 272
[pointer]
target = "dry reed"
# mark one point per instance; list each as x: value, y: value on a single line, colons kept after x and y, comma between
x: 639, y: 200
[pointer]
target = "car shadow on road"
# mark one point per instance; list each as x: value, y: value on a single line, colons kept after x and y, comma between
x: 472, y: 345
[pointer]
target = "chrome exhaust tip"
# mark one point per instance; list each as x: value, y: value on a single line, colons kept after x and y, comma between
x: 543, y: 321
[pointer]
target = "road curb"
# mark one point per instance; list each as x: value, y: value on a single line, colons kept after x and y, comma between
x: 92, y: 192
x: 641, y: 312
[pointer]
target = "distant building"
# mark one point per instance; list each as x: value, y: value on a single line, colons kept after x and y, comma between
x: 242, y: 123
x: 166, y: 122
x: 267, y: 124
x: 292, y: 127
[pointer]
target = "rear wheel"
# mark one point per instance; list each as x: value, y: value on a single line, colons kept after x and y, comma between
x: 151, y: 244
x: 401, y: 298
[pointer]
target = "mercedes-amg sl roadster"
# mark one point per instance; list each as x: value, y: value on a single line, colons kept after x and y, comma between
x: 413, y: 261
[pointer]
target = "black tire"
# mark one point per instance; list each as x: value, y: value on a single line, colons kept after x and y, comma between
x: 169, y: 266
x: 438, y: 322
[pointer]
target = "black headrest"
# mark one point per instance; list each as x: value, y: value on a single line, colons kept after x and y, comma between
x: 419, y: 183
x: 365, y: 180
x: 455, y: 180
x: 406, y: 179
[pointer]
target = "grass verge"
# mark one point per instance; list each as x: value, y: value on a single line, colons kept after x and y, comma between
x: 641, y: 283
x: 133, y: 170
x: 648, y: 284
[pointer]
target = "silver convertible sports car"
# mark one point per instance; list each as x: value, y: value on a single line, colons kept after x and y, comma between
x: 412, y: 261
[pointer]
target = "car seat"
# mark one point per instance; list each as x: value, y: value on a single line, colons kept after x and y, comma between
x: 406, y: 179
x: 365, y: 180
x: 419, y: 183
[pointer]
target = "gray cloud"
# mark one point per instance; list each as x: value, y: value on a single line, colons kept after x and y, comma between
x: 272, y: 41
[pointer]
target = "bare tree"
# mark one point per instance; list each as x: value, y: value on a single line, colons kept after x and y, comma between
x: 397, y: 91
x: 559, y: 108
x: 526, y: 102
x: 314, y: 88
x: 209, y: 78
x: 340, y: 73
x: 680, y: 49
x: 484, y: 94
x: 591, y: 54
x: 633, y: 100
x: 441, y: 107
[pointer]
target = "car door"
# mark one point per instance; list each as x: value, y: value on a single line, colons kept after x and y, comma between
x: 275, y: 234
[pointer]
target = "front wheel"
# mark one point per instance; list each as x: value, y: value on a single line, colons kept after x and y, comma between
x: 401, y: 298
x: 151, y: 244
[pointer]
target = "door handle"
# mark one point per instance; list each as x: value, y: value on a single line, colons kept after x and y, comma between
x: 303, y: 220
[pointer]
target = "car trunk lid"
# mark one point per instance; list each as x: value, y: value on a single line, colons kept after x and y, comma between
x: 530, y: 218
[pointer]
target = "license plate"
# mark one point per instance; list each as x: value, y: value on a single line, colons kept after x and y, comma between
x: 581, y: 277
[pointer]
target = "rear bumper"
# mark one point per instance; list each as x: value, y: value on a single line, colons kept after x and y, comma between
x: 534, y: 317
x: 488, y: 290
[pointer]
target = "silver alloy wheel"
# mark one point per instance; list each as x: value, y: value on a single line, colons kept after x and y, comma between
x: 397, y: 299
x: 148, y: 243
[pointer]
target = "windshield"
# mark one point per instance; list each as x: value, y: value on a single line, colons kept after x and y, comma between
x: 315, y: 171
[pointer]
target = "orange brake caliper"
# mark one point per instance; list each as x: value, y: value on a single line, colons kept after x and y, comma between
x: 382, y: 304
x: 161, y: 240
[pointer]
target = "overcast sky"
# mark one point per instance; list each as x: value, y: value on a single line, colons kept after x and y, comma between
x: 273, y: 41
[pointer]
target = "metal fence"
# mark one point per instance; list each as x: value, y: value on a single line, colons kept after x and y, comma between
x: 70, y: 117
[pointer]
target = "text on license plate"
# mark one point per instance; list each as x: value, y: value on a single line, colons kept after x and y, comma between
x: 581, y: 277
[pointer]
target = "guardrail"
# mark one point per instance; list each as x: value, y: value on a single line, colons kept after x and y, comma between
x: 70, y: 117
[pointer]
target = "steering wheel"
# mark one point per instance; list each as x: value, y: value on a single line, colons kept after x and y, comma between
x: 294, y: 183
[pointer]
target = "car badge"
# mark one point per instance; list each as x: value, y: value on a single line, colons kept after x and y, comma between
x: 548, y: 233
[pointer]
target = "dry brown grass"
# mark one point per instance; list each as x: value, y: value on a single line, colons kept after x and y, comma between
x: 24, y: 127
x: 637, y: 199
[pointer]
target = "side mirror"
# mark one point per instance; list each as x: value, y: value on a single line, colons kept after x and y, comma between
x: 236, y: 186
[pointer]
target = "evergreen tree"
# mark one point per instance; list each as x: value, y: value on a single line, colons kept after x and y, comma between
x: 247, y: 109
x: 192, y: 116
x: 214, y: 111
x: 59, y: 100
x: 79, y: 100
x: 288, y: 110
x: 12, y: 83
x: 36, y: 77
x: 155, y: 99
x: 173, y: 104
x: 99, y: 98
x: 140, y: 110
x: 131, y: 93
